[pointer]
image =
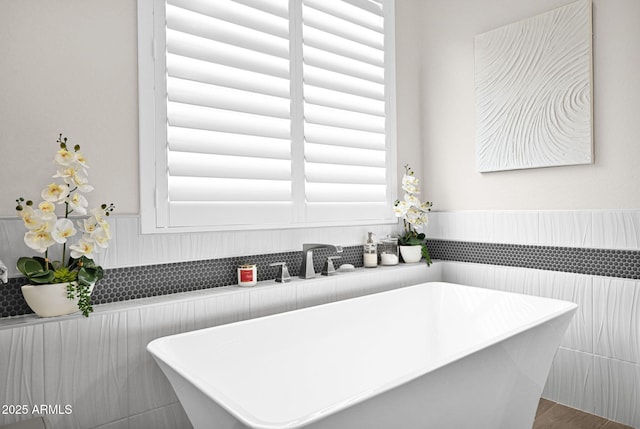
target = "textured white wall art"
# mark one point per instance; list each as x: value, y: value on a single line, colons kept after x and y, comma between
x: 533, y: 83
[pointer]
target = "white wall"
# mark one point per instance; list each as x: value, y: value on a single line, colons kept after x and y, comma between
x: 69, y: 67
x: 448, y: 103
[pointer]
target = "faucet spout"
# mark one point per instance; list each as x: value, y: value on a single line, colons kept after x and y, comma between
x: 306, y: 269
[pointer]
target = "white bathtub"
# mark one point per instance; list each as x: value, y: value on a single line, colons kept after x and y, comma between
x: 435, y: 355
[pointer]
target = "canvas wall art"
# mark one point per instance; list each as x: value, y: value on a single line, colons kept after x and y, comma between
x: 533, y: 82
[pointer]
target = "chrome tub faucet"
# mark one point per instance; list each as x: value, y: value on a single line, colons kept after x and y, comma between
x: 306, y: 269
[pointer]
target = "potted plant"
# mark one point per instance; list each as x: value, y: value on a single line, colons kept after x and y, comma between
x: 414, y: 216
x: 64, y: 285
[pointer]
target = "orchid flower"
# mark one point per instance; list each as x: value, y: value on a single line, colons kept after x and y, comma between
x: 84, y: 248
x: 62, y: 230
x: 55, y: 193
x: 39, y: 241
x: 101, y: 238
x: 78, y: 203
x: 65, y: 157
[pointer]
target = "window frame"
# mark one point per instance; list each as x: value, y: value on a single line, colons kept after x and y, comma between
x: 153, y: 133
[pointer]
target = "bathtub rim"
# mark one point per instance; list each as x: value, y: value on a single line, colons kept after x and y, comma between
x: 249, y: 419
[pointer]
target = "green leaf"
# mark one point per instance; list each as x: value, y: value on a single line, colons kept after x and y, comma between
x: 34, y: 270
x: 90, y: 275
x: 45, y: 277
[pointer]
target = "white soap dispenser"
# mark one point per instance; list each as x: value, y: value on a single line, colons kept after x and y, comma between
x: 370, y: 254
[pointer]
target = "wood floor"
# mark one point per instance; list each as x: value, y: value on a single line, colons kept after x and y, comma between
x: 551, y: 415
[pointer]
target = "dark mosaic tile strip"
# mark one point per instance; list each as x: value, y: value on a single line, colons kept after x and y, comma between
x: 122, y: 284
x: 599, y: 262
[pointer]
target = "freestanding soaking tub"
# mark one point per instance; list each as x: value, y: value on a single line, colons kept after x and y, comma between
x: 436, y: 355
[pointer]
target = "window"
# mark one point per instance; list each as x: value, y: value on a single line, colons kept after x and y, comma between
x: 266, y: 113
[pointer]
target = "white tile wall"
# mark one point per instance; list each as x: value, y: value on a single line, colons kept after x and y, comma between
x: 617, y: 319
x: 597, y: 368
x: 571, y: 380
x: 21, y: 368
x: 86, y: 367
x: 598, y: 365
x: 605, y: 229
x: 101, y: 367
x: 616, y: 383
x: 616, y: 229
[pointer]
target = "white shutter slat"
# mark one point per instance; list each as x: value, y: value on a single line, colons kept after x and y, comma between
x: 200, y: 94
x: 362, y: 12
x: 344, y: 155
x: 207, y: 27
x: 342, y: 46
x: 343, y: 118
x: 275, y: 7
x: 335, y: 173
x: 340, y: 64
x: 204, y: 118
x: 188, y: 45
x: 216, y: 142
x: 188, y: 164
x: 221, y: 75
x: 345, y: 193
x: 343, y: 137
x: 341, y: 27
x: 228, y: 189
x: 341, y: 100
x: 343, y: 83
x: 272, y: 20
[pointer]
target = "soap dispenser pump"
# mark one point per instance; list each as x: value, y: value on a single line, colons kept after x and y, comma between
x: 370, y: 254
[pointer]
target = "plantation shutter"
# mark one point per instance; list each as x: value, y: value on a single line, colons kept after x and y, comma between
x: 269, y: 114
x: 228, y: 112
x: 345, y: 145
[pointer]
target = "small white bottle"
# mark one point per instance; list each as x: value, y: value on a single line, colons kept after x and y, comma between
x: 370, y: 254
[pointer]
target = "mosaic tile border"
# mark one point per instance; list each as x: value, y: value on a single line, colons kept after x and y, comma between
x: 597, y: 262
x: 122, y: 284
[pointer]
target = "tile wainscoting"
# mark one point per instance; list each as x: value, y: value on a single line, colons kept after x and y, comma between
x: 591, y: 257
x: 100, y: 367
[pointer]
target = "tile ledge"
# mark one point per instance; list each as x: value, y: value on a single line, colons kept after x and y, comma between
x: 115, y: 307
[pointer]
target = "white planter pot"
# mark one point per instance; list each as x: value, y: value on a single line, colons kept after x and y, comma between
x: 50, y: 300
x: 411, y: 254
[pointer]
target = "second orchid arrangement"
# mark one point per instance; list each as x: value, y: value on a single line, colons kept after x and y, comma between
x: 413, y: 213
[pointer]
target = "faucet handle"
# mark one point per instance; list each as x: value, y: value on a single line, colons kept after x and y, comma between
x: 283, y: 275
x: 329, y: 269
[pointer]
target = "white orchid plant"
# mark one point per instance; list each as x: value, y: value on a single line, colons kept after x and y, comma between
x: 46, y: 229
x: 413, y: 213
